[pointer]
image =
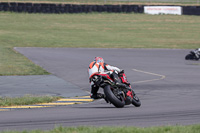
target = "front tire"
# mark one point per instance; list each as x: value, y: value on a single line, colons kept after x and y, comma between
x: 136, y: 101
x: 189, y: 57
x: 117, y: 101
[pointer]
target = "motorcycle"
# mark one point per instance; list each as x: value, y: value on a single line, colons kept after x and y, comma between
x: 118, y: 96
x: 191, y: 56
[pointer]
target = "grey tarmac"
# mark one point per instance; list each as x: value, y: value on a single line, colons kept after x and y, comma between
x: 167, y: 85
x: 17, y: 86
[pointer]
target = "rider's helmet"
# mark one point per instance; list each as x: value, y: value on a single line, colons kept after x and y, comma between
x: 98, y: 59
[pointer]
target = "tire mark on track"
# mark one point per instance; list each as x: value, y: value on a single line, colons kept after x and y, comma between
x: 144, y: 81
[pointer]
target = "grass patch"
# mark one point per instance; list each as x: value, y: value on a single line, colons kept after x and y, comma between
x: 90, y: 30
x: 26, y: 100
x: 82, y: 129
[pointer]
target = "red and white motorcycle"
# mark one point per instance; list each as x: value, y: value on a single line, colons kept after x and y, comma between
x: 118, y: 96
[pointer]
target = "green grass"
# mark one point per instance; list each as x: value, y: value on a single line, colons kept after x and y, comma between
x: 161, y: 129
x: 90, y: 30
x: 26, y: 100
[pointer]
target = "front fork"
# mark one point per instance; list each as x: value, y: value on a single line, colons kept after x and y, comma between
x: 127, y: 94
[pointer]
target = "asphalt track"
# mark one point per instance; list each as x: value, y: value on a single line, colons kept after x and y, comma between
x: 167, y: 85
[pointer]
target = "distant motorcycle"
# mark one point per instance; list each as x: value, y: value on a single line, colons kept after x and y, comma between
x: 193, y: 55
x: 113, y: 94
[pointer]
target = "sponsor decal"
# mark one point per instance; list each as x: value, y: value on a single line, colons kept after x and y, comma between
x: 176, y: 10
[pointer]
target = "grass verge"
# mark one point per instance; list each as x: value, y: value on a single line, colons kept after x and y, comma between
x: 83, y: 129
x: 26, y: 100
x: 105, y: 30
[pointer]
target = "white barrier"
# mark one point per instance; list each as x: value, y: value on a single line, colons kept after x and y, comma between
x: 176, y: 10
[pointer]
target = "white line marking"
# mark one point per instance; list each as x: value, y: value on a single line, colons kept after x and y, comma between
x: 161, y: 76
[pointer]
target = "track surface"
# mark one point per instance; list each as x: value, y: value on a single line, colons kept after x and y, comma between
x: 167, y: 85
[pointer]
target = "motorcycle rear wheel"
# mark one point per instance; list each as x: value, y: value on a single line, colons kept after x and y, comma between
x: 117, y: 101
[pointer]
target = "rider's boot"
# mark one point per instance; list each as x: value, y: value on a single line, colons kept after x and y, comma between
x: 197, y: 56
x: 94, y: 94
x: 97, y: 96
x: 100, y: 96
x: 196, y: 52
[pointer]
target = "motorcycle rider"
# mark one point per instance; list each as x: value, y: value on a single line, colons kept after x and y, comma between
x: 99, y: 66
x: 197, y: 53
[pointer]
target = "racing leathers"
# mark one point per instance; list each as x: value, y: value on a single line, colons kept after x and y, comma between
x: 102, y: 67
x: 197, y: 53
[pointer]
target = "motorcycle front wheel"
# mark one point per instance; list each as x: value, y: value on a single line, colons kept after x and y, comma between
x: 116, y: 100
x: 136, y: 101
x: 188, y: 57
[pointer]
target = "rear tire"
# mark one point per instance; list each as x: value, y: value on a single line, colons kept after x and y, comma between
x: 116, y: 101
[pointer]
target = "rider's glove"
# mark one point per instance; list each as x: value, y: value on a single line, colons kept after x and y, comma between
x: 121, y: 71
